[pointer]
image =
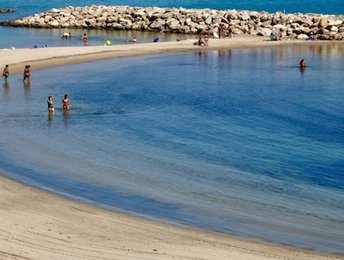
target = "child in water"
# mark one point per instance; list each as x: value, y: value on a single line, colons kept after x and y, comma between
x: 50, y: 104
x: 65, y: 103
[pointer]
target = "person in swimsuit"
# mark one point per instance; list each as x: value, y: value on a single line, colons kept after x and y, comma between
x: 84, y: 39
x: 302, y: 64
x: 27, y: 72
x: 6, y: 73
x: 65, y: 103
x: 50, y: 104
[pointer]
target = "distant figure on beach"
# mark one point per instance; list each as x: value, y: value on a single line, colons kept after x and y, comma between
x: 133, y: 40
x: 84, y: 39
x: 201, y: 42
x: 156, y: 39
x: 65, y: 103
x: 206, y: 39
x: 26, y: 74
x: 6, y: 73
x: 302, y: 64
x: 50, y: 104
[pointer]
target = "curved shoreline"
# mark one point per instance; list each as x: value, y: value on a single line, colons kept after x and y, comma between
x: 39, y: 225
x: 60, y: 228
x: 56, y: 56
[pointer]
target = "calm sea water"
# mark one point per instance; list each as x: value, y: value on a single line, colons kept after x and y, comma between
x: 28, y: 7
x: 243, y: 142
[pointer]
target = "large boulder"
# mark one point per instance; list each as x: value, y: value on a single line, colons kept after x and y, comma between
x: 323, y: 22
x: 264, y: 32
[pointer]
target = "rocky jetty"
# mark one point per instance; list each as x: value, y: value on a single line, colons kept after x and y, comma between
x: 188, y: 21
x: 6, y: 10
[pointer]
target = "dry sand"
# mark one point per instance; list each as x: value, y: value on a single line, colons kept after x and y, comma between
x: 38, y: 225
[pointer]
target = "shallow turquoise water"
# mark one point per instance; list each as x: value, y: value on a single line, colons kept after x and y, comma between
x: 239, y: 141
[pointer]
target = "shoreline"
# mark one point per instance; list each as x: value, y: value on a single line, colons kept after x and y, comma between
x: 62, y: 228
x: 40, y: 58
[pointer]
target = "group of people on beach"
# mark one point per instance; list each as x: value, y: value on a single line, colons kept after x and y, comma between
x: 65, y: 104
x: 26, y: 74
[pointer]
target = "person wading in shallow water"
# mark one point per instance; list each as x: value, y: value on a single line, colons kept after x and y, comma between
x: 50, y: 104
x: 302, y: 64
x: 65, y: 103
x: 84, y: 39
x: 6, y: 73
x: 26, y: 73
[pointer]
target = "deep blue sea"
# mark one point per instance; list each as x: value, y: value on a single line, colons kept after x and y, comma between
x: 243, y: 142
x: 239, y: 141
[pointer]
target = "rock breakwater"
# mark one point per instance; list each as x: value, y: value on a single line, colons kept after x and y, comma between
x: 188, y: 21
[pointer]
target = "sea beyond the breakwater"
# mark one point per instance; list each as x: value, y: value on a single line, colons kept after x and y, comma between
x: 30, y: 7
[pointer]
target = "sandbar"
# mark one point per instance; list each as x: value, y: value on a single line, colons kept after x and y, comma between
x: 55, y: 56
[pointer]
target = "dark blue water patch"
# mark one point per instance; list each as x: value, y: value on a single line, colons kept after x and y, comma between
x: 331, y: 126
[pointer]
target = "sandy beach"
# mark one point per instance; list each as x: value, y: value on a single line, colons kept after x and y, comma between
x: 55, y: 56
x: 36, y: 224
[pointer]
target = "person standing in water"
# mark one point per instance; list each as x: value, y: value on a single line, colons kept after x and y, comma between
x: 84, y: 39
x: 65, y: 103
x: 302, y: 64
x: 50, y: 104
x: 26, y: 75
x: 6, y: 73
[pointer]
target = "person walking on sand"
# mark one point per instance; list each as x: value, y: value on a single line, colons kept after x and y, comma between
x: 50, y: 104
x: 26, y: 74
x: 302, y: 64
x: 6, y: 73
x: 65, y: 103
